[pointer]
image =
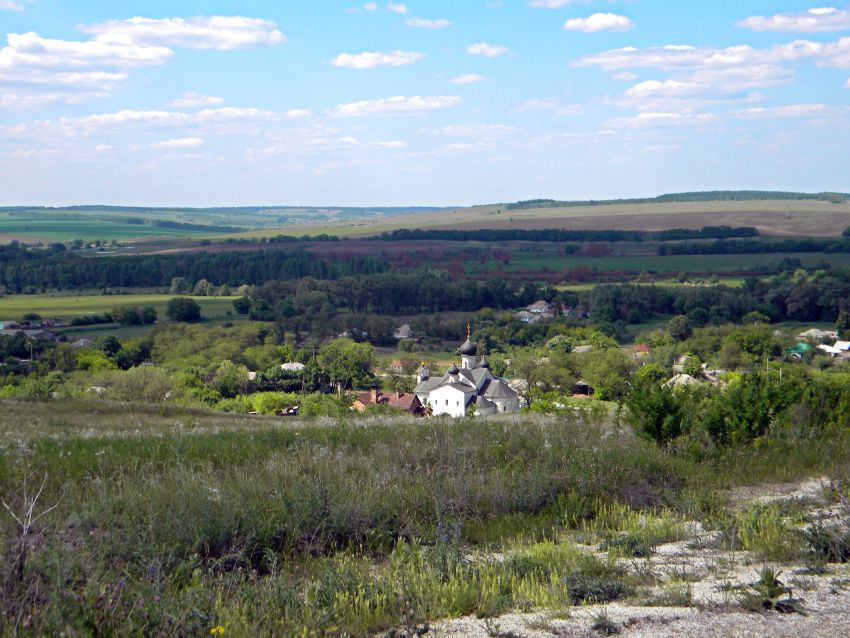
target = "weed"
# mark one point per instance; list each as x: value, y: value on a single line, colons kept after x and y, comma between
x: 603, y: 625
x: 627, y: 546
x: 673, y: 595
x: 764, y: 595
x: 764, y: 530
x: 830, y: 544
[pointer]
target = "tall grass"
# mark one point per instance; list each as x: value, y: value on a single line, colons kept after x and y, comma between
x: 172, y: 522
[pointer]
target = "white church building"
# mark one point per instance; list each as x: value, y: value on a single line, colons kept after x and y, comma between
x: 471, y: 384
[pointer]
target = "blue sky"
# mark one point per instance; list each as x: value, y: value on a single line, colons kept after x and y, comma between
x: 418, y: 103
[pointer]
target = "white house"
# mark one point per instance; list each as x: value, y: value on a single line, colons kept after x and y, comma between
x: 470, y: 385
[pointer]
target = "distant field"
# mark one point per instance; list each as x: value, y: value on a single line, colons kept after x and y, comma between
x: 70, y: 306
x: 781, y: 218
x: 670, y: 264
x: 88, y: 230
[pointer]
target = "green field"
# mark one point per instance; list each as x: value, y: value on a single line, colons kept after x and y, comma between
x: 670, y: 264
x: 70, y: 306
x: 88, y: 230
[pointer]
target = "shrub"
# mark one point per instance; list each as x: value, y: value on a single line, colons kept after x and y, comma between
x: 183, y: 309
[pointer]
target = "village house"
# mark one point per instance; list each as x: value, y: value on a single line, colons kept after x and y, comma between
x: 471, y: 385
x: 403, y: 401
x: 540, y: 308
x: 817, y: 335
x: 405, y: 332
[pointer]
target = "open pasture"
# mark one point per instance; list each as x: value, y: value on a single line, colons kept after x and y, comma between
x: 785, y: 218
x: 68, y: 306
x: 689, y: 264
x: 86, y: 229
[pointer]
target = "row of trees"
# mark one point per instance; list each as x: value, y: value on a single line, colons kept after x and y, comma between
x: 563, y: 235
x: 754, y: 247
x: 63, y: 271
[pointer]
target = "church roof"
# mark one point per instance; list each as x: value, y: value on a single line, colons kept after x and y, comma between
x: 484, y: 403
x: 498, y: 389
x: 428, y: 385
x: 468, y: 349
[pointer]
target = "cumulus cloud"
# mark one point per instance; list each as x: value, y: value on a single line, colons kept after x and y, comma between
x: 10, y: 5
x: 786, y: 111
x: 190, y: 99
x: 398, y: 8
x: 35, y: 71
x: 471, y: 130
x: 649, y: 119
x: 549, y: 4
x: 422, y: 23
x: 399, y: 105
x: 555, y: 106
x: 599, y: 22
x: 487, y: 50
x: 370, y: 6
x: 812, y: 21
x: 180, y: 143
x: 223, y: 33
x: 468, y: 78
x: 372, y: 59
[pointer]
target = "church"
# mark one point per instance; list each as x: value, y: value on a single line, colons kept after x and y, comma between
x: 470, y: 385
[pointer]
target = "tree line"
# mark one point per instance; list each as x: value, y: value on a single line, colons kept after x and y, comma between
x: 63, y: 271
x: 705, y: 196
x: 564, y: 235
x: 751, y: 247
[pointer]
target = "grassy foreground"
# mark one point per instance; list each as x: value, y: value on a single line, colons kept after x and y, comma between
x: 144, y: 520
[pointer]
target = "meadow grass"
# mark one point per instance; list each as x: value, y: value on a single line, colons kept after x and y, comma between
x: 173, y: 521
x: 87, y: 230
x: 61, y: 306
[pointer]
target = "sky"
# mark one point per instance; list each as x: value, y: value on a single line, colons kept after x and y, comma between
x: 422, y: 102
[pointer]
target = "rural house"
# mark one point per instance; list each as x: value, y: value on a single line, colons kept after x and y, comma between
x: 403, y: 401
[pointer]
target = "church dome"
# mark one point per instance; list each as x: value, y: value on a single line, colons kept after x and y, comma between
x: 484, y: 364
x: 453, y: 370
x: 469, y: 349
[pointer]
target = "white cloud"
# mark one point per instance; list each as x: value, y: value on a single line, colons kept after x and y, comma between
x: 599, y: 22
x: 31, y: 50
x: 190, y: 99
x: 372, y: 59
x: 624, y: 76
x: 103, y: 148
x: 37, y: 71
x: 649, y: 119
x: 811, y: 21
x: 399, y: 105
x: 398, y: 8
x: 392, y: 144
x: 10, y: 5
x: 847, y: 84
x: 549, y: 4
x: 786, y: 111
x: 293, y: 114
x: 689, y: 57
x: 470, y: 130
x: 556, y: 106
x: 487, y: 50
x: 468, y: 78
x: 183, y: 142
x: 422, y: 23
x: 370, y: 6
x: 202, y: 32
